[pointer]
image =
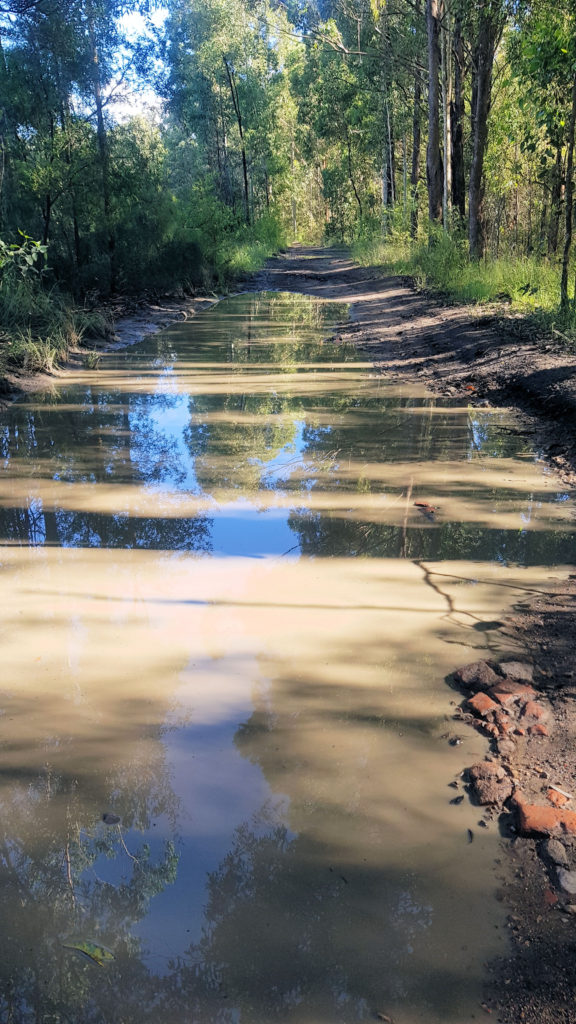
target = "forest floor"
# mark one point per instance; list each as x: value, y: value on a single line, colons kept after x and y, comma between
x: 456, y: 350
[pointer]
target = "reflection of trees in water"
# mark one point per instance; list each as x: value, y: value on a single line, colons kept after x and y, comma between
x: 321, y: 534
x: 52, y: 848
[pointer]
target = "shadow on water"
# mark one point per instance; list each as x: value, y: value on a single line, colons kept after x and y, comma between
x: 226, y: 624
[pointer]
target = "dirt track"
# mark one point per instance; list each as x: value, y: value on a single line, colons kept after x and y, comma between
x: 454, y: 350
x: 451, y: 349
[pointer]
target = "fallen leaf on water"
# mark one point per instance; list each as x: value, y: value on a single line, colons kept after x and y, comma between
x: 93, y: 950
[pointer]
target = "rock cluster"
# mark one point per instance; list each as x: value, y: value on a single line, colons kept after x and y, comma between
x: 504, y: 703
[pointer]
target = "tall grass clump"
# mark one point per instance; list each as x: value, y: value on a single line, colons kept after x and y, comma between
x: 440, y: 263
x: 38, y: 326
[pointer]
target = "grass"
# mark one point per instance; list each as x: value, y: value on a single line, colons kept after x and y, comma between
x: 38, y: 328
x: 529, y: 285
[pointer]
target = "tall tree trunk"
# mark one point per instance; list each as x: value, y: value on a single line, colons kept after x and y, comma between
x: 434, y: 172
x: 238, y: 112
x: 490, y: 25
x: 569, y: 202
x: 416, y: 142
x: 446, y: 55
x: 457, y: 118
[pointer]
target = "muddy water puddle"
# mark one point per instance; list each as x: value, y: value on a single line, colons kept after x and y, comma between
x: 226, y: 627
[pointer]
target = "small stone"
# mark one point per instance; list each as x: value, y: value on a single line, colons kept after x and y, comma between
x: 506, y: 747
x: 571, y: 908
x: 538, y: 730
x: 557, y: 799
x: 482, y: 704
x: 550, y: 898
x: 567, y: 880
x: 478, y: 675
x: 520, y: 671
x: 555, y: 852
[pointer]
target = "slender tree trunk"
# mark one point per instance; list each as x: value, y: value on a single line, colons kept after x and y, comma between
x: 351, y: 174
x: 457, y: 118
x: 490, y: 26
x: 391, y: 155
x: 238, y: 112
x: 446, y: 54
x: 569, y: 202
x: 46, y: 216
x: 555, y: 202
x: 293, y: 196
x: 416, y: 142
x: 433, y: 156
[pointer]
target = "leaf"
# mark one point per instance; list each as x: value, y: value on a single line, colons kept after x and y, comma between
x: 93, y: 950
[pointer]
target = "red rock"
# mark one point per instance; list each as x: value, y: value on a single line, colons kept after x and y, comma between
x: 557, y: 799
x: 519, y: 731
x: 550, y: 898
x: 481, y: 704
x: 538, y: 730
x: 508, y: 690
x: 543, y: 820
x: 532, y: 709
x: 479, y: 675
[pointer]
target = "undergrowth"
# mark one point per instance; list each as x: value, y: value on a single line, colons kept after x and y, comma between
x: 528, y: 285
x: 38, y: 328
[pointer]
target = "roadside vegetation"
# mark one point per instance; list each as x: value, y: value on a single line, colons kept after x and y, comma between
x: 172, y: 148
x: 527, y: 286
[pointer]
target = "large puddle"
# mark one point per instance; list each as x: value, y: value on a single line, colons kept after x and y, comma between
x: 225, y: 623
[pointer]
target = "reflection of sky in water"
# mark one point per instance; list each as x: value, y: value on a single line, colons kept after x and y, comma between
x: 240, y: 529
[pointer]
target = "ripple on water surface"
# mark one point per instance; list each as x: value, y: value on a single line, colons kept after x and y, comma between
x: 226, y: 623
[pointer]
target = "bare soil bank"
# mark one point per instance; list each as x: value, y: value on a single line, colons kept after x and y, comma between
x: 453, y: 350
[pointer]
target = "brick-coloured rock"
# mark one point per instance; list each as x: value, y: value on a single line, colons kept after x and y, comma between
x: 507, y: 691
x: 481, y: 704
x: 478, y: 675
x: 538, y: 730
x: 547, y: 821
